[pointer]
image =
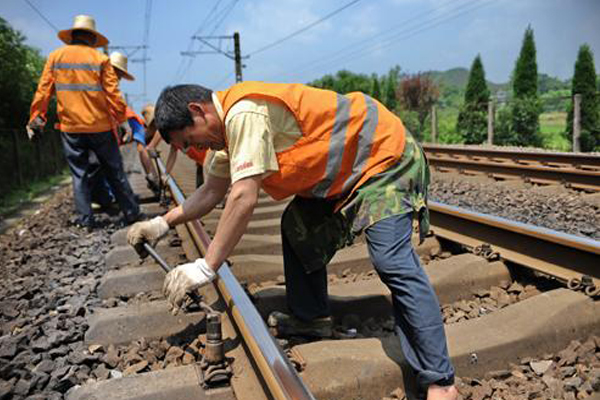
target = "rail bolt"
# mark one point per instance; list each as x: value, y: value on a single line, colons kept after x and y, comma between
x: 214, y: 340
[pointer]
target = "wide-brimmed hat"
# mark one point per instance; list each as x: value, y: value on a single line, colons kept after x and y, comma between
x: 119, y: 61
x: 83, y: 23
x: 148, y: 114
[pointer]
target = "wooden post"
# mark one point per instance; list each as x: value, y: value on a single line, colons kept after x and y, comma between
x: 17, y: 157
x: 576, y: 122
x: 433, y: 124
x: 491, y: 114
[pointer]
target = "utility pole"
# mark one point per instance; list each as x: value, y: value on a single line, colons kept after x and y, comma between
x: 209, y: 41
x: 238, y: 57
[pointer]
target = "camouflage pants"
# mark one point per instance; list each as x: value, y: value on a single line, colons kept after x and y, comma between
x: 316, y: 231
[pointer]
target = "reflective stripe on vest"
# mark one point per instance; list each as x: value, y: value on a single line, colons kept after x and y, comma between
x: 78, y: 87
x: 365, y: 142
x: 336, y: 146
x: 77, y: 66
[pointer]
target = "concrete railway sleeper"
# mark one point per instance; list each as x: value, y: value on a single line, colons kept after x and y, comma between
x: 496, y: 313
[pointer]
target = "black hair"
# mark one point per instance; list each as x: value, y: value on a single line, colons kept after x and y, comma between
x: 80, y: 36
x: 171, y: 113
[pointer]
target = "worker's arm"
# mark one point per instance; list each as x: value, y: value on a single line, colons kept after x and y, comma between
x: 189, y: 277
x: 114, y: 98
x: 232, y: 224
x: 156, y: 138
x: 200, y: 203
x: 43, y: 94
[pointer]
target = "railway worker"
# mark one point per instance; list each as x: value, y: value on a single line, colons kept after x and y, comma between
x: 137, y: 124
x: 198, y: 155
x: 88, y: 98
x: 351, y: 166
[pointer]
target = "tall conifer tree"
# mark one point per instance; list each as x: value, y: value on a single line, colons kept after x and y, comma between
x: 472, y: 118
x: 585, y: 83
x: 525, y: 108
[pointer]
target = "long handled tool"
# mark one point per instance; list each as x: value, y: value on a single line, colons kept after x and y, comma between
x: 162, y: 190
x: 194, y: 296
x: 214, y: 368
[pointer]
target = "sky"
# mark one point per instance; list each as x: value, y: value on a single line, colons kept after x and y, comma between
x: 363, y: 36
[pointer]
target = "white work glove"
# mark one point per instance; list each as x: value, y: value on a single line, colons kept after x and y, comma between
x: 125, y: 131
x: 147, y: 232
x: 184, y: 279
x: 35, y: 127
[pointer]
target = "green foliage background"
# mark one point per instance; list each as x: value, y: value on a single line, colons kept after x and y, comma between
x: 27, y: 161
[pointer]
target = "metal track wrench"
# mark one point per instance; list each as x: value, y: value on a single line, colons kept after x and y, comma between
x: 214, y: 369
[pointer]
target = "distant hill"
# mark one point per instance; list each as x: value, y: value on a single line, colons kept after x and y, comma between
x: 453, y: 83
x: 458, y: 77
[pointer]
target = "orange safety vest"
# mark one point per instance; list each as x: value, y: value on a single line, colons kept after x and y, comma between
x: 87, y: 90
x: 346, y: 139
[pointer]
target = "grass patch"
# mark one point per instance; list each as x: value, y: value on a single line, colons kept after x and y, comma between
x: 552, y: 131
x: 15, y: 198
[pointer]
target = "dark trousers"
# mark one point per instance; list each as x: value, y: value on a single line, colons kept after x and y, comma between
x: 419, y: 324
x: 77, y: 148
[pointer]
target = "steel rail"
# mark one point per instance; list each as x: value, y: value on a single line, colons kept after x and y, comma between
x: 574, y: 169
x: 584, y: 179
x: 553, y: 253
x: 276, y: 370
x: 577, y: 160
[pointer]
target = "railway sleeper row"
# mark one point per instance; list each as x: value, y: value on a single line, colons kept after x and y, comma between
x: 364, y: 366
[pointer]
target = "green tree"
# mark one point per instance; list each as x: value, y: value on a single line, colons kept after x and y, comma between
x: 344, y: 82
x: 19, y: 71
x: 472, y: 118
x: 584, y: 83
x: 417, y: 94
x: 525, y: 78
x: 390, y: 91
x: 375, y: 89
x: 526, y: 108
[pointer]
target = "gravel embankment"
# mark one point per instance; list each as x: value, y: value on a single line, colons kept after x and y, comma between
x: 572, y: 373
x: 563, y: 210
x: 50, y: 272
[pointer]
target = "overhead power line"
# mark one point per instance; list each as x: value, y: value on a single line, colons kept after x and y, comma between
x: 41, y: 15
x: 408, y: 28
x: 304, y: 29
x: 219, y: 18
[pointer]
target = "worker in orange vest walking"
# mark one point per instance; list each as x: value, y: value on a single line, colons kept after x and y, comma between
x: 351, y: 166
x: 88, y: 98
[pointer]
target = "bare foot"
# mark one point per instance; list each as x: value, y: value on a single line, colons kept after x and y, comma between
x: 442, y: 392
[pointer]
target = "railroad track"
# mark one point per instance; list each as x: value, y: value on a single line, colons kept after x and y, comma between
x: 497, y: 312
x: 576, y: 170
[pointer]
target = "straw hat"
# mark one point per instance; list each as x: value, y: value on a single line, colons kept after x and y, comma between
x: 148, y: 114
x: 119, y: 61
x: 83, y: 23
